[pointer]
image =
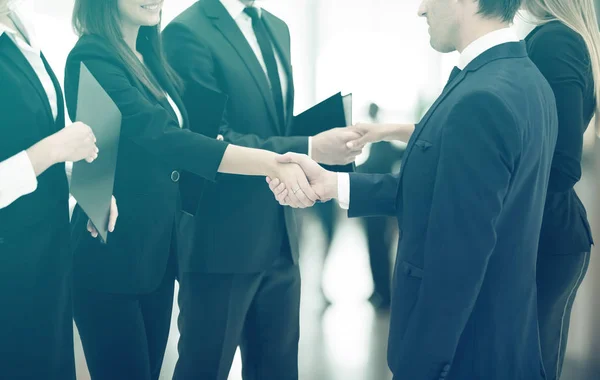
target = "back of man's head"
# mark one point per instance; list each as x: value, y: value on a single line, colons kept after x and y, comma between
x: 504, y: 10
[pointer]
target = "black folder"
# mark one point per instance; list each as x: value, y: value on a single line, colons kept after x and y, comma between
x: 333, y: 112
x: 92, y: 183
x: 206, y: 117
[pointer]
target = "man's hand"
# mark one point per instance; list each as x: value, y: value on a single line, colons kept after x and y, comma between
x: 112, y: 219
x: 372, y: 133
x: 323, y: 182
x: 330, y: 147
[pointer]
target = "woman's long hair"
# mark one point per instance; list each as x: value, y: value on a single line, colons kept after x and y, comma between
x: 101, y: 18
x: 580, y: 16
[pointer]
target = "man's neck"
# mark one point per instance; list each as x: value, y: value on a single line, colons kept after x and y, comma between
x: 471, y: 33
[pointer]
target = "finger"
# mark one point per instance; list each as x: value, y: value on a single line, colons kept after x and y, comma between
x: 307, y: 191
x: 114, y: 215
x: 282, y: 196
x: 304, y: 201
x: 268, y: 179
x: 274, y: 183
x: 92, y: 229
x: 357, y: 144
x: 279, y: 189
x: 292, y: 199
x: 288, y: 202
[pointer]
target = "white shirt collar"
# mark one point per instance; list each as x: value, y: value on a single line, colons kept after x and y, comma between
x: 236, y: 7
x: 23, y: 26
x: 484, y: 43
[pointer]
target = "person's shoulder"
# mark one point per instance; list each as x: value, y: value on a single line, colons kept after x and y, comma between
x: 193, y: 16
x: 555, y: 37
x: 90, y: 46
x: 274, y: 19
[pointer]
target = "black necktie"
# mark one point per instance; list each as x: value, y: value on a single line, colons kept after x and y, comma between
x: 266, y: 48
x: 453, y: 74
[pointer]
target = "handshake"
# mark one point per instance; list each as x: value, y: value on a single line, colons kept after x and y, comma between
x: 299, y: 181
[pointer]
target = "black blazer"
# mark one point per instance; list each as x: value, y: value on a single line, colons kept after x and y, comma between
x: 152, y: 151
x: 562, y: 56
x: 240, y: 227
x: 469, y: 202
x: 25, y: 119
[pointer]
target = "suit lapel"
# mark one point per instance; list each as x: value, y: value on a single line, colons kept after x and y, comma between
x: 60, y: 103
x: 283, y: 49
x: 423, y: 123
x: 503, y: 51
x: 20, y: 62
x: 232, y: 33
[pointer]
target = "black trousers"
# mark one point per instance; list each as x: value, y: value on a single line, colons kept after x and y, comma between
x: 36, y: 320
x: 258, y: 312
x: 124, y: 337
x: 558, y: 279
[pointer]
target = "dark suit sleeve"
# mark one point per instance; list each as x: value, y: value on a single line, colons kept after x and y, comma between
x: 479, y: 147
x: 566, y: 72
x: 193, y: 61
x: 145, y: 123
x: 373, y: 195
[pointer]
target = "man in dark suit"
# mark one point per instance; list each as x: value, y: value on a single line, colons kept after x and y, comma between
x: 469, y: 202
x: 241, y: 284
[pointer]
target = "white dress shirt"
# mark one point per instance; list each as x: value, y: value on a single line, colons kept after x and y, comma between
x: 176, y: 110
x: 244, y: 22
x: 17, y: 177
x: 472, y: 51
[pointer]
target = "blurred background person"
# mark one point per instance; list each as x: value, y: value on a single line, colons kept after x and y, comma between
x: 382, y: 157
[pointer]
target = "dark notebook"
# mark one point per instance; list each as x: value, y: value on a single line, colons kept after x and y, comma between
x: 92, y: 183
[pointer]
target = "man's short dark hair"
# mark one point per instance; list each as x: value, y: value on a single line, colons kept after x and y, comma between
x: 501, y: 9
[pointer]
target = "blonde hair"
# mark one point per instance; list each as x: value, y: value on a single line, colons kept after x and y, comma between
x: 580, y: 16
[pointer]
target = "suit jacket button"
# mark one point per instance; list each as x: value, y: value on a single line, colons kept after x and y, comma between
x: 447, y: 368
x: 175, y: 176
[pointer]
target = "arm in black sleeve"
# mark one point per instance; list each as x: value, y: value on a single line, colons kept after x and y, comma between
x: 193, y: 61
x: 562, y: 59
x: 145, y: 123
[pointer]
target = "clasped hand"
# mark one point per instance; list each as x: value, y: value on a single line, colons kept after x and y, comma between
x: 313, y: 182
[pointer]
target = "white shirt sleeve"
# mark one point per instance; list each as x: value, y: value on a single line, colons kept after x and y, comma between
x: 310, y: 147
x: 344, y: 190
x: 17, y: 178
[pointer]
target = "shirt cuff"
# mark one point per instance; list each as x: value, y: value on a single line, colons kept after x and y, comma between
x: 310, y: 147
x: 17, y: 178
x: 344, y: 190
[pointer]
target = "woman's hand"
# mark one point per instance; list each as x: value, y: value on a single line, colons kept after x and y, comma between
x: 299, y: 193
x: 74, y: 143
x: 112, y: 219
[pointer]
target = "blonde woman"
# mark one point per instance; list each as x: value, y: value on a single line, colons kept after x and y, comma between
x: 566, y: 48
